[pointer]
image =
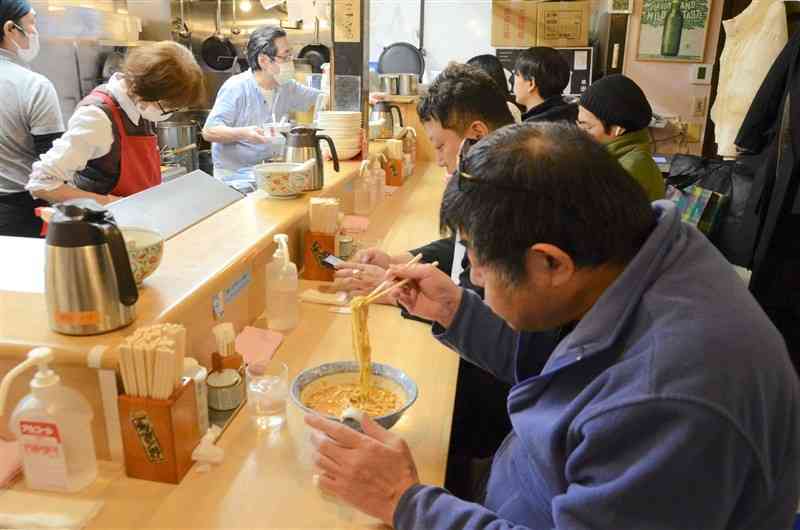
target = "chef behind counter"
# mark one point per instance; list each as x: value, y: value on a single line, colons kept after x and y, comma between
x: 264, y: 94
x: 110, y: 148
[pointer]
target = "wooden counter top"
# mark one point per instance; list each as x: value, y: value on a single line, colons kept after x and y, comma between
x: 264, y: 481
x: 193, y: 263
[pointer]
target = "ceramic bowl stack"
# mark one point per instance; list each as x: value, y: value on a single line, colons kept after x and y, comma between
x: 344, y: 128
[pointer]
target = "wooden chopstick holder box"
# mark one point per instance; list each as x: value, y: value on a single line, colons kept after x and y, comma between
x: 317, y: 247
x: 159, y: 435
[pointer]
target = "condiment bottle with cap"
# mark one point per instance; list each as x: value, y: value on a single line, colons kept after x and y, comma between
x: 362, y: 194
x: 394, y: 173
x: 282, y: 288
x: 53, y: 425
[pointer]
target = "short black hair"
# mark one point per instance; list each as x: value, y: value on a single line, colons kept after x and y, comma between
x: 492, y: 66
x: 547, y: 183
x: 12, y: 10
x: 262, y: 41
x: 546, y: 67
x: 462, y: 94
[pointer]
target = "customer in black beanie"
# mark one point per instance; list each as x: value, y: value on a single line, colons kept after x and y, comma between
x: 615, y: 112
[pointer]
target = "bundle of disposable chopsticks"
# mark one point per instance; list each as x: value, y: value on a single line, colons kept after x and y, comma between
x: 151, y: 360
x: 324, y: 215
x: 387, y: 286
x: 225, y: 334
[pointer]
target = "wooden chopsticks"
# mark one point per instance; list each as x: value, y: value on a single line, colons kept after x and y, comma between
x: 385, y: 283
x: 375, y: 295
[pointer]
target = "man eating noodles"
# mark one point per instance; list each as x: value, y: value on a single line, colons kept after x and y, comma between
x: 670, y: 401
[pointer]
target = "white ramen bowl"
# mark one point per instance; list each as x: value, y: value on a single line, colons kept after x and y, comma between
x: 341, y: 372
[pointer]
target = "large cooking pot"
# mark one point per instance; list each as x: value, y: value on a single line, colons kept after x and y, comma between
x: 173, y: 137
x: 198, y: 117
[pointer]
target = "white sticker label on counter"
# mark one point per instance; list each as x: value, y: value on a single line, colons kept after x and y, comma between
x: 43, y: 455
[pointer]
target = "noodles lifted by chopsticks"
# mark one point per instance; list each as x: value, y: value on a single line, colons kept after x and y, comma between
x: 371, y: 400
x: 361, y: 346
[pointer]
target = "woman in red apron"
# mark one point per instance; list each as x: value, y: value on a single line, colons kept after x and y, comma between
x: 110, y: 148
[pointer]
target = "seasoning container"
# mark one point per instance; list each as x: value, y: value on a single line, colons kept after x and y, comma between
x: 197, y: 373
x: 377, y: 179
x: 362, y: 192
x: 225, y: 390
x: 345, y: 246
x: 394, y: 172
x: 409, y: 137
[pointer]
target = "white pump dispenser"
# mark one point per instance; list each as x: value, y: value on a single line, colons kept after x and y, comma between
x: 282, y: 288
x: 53, y: 425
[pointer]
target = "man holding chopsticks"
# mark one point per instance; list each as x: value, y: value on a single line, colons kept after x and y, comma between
x: 660, y: 408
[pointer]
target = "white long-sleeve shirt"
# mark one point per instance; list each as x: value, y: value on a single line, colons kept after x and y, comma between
x: 89, y: 136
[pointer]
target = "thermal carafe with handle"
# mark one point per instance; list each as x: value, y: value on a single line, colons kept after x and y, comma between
x: 383, y: 110
x: 302, y: 144
x: 89, y: 285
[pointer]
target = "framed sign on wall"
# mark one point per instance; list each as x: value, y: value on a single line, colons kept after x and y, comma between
x: 673, y: 30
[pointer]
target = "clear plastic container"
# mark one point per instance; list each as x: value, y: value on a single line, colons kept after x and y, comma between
x: 282, y: 288
x: 53, y: 425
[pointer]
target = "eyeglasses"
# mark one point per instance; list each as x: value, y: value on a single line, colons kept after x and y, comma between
x: 20, y: 28
x: 165, y: 112
x: 467, y: 182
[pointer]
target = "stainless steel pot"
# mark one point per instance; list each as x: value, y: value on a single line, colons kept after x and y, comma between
x: 390, y: 84
x: 175, y: 135
x: 408, y: 84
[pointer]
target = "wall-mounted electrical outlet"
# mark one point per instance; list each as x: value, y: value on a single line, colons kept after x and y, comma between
x: 701, y: 74
x: 699, y: 106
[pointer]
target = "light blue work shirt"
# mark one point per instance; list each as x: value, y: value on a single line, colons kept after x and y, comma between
x: 240, y: 103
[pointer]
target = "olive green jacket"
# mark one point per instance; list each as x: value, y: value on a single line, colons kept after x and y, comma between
x: 632, y: 151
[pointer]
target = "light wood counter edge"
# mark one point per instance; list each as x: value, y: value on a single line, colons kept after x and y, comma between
x: 67, y: 354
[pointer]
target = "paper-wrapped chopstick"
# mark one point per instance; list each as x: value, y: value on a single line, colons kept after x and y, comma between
x: 324, y: 215
x: 151, y: 360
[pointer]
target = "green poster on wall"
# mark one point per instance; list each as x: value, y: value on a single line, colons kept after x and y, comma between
x: 673, y: 30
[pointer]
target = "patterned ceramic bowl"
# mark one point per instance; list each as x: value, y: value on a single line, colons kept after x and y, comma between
x: 347, y: 372
x: 145, y: 248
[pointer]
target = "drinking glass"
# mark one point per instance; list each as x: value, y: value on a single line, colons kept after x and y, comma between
x: 267, y: 390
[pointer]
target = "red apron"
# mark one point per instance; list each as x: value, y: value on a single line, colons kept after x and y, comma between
x: 139, y: 161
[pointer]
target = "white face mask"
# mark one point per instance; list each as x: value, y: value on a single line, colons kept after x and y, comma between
x: 28, y: 54
x: 152, y: 112
x: 285, y: 74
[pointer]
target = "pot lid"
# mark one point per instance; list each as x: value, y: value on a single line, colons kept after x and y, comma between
x: 401, y: 58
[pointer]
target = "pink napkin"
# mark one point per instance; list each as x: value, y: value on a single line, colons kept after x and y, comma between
x: 10, y: 463
x: 257, y: 345
x: 354, y: 224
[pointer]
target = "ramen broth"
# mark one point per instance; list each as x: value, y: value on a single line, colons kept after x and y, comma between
x: 334, y: 399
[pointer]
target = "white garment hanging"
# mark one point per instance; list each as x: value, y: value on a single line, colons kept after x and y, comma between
x: 752, y: 42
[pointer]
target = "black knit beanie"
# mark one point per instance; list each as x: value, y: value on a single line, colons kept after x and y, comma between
x: 617, y: 100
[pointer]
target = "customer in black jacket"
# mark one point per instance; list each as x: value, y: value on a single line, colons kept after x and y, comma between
x: 540, y: 76
x: 462, y: 103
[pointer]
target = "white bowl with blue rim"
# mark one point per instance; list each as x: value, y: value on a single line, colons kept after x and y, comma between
x: 346, y: 372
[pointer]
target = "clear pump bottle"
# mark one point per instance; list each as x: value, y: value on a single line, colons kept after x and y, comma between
x: 282, y: 288
x: 53, y: 425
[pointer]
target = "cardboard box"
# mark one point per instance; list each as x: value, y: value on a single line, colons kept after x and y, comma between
x: 562, y: 24
x: 514, y: 23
